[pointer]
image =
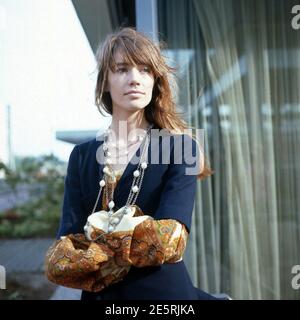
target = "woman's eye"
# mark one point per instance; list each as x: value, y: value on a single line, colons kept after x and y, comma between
x: 147, y: 69
x: 121, y: 70
x: 144, y: 69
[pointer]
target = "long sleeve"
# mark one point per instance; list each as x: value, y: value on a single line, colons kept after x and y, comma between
x: 73, y: 215
x: 178, y: 196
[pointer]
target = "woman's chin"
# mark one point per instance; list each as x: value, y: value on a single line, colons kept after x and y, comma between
x: 135, y: 106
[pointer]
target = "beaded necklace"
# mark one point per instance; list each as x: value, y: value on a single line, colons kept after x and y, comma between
x: 136, y: 185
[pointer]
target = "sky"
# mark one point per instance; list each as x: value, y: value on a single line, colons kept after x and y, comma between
x: 47, y: 76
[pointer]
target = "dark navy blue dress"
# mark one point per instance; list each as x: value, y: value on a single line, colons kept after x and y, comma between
x: 167, y: 192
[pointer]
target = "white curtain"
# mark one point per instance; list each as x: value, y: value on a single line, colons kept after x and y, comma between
x: 244, y: 56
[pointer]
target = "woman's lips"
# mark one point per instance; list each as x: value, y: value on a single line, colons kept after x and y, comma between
x: 134, y: 92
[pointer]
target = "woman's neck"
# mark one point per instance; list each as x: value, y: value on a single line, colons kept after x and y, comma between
x: 128, y: 126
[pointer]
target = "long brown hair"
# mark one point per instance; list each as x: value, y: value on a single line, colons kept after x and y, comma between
x: 137, y: 48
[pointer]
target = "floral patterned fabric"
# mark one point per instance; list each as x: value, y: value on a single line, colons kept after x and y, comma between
x: 73, y: 261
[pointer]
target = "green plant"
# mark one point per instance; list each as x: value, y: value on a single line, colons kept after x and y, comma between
x: 12, y: 178
x: 40, y: 216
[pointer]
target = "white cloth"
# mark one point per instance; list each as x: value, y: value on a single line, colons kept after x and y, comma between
x: 100, y: 219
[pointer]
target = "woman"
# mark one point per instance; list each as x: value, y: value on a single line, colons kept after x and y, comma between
x: 133, y: 86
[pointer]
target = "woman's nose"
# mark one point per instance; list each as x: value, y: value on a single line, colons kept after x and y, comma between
x: 134, y: 76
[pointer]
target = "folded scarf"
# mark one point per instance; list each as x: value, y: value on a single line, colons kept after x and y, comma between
x: 98, y: 259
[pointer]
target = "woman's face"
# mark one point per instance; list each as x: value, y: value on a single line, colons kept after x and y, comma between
x: 127, y: 78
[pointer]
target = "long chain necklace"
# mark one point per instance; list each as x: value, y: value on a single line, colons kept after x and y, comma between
x: 136, y: 185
